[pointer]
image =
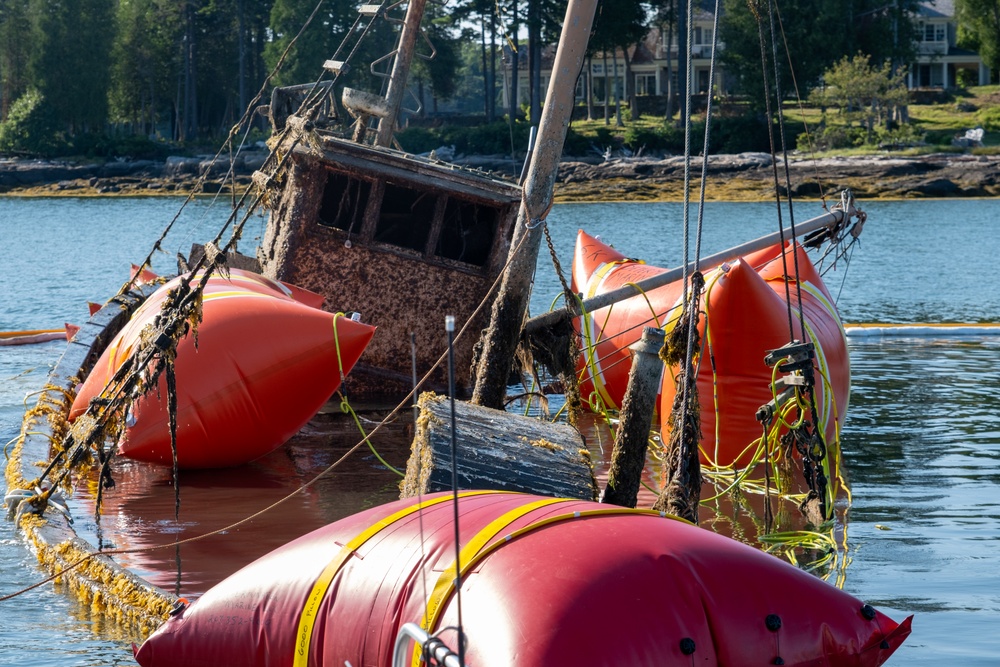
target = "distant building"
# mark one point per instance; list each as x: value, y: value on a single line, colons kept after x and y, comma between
x: 653, y: 62
x: 939, y: 62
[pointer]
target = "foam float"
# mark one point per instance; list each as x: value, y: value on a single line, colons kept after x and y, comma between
x: 266, y: 360
x: 744, y: 310
x: 32, y: 336
x: 546, y: 581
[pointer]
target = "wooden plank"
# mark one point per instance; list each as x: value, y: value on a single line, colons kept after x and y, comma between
x: 496, y: 450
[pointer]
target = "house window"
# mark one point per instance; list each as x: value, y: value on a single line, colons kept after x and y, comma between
x: 933, y: 32
x: 645, y: 84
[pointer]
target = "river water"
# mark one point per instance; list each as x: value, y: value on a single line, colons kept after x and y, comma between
x: 921, y: 444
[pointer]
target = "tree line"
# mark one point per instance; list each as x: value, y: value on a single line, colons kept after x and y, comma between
x: 75, y: 71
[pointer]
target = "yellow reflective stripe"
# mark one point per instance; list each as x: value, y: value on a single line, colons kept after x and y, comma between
x: 307, y: 620
x: 482, y: 553
x: 446, y: 582
x: 594, y: 283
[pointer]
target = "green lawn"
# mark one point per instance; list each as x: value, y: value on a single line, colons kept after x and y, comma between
x: 934, y: 124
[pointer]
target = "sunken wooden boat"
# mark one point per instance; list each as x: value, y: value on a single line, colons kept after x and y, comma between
x: 404, y: 240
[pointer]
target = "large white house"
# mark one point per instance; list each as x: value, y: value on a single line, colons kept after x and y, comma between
x: 939, y: 62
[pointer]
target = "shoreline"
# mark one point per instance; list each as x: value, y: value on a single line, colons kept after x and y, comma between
x: 741, y: 178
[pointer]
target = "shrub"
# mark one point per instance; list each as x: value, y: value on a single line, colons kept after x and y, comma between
x: 989, y: 118
x: 832, y: 137
x: 664, y: 138
x: 30, y: 127
x: 740, y: 134
x: 419, y: 139
x: 492, y: 139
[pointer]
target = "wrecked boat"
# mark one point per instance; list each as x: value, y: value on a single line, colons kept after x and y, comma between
x: 328, y: 194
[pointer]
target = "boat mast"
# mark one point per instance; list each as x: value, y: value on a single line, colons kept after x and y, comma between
x: 400, y: 71
x: 837, y: 218
x: 500, y: 339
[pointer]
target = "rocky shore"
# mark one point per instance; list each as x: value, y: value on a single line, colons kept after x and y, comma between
x: 743, y: 177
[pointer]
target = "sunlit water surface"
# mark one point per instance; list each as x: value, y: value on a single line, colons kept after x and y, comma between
x: 922, y: 441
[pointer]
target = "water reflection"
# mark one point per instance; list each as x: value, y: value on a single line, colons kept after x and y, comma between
x: 921, y: 457
x: 923, y: 442
x: 141, y: 510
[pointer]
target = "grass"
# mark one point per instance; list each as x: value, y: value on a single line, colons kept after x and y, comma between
x: 934, y: 124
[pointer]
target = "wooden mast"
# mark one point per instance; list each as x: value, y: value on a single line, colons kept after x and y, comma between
x: 834, y: 218
x: 500, y: 339
x: 400, y: 70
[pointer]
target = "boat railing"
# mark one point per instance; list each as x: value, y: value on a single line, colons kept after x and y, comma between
x: 287, y: 100
x: 430, y: 644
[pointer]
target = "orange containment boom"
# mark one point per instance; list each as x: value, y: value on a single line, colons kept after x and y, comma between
x: 262, y: 365
x: 544, y: 581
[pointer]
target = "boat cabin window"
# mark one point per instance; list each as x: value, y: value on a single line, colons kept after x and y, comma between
x: 344, y: 202
x: 406, y: 217
x: 412, y: 218
x: 467, y: 232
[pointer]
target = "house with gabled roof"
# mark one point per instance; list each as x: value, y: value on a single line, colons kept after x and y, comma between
x: 940, y: 63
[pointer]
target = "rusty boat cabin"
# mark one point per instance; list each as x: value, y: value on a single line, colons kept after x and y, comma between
x: 401, y: 239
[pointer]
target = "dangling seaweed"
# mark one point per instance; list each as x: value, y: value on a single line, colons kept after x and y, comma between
x: 681, y: 492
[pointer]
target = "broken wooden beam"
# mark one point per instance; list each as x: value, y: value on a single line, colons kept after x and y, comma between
x: 496, y: 450
x: 628, y: 457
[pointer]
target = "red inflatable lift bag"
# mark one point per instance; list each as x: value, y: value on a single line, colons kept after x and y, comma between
x: 744, y: 314
x: 265, y: 361
x: 546, y: 581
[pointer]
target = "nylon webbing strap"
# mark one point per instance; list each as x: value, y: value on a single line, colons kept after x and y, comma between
x: 476, y: 550
x: 307, y: 620
x: 446, y: 582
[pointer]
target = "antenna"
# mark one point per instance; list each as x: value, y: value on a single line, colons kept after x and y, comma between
x: 449, y: 325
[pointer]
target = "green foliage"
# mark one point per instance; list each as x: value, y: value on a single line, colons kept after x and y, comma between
x: 832, y: 137
x: 135, y: 147
x: 980, y: 28
x: 419, y: 139
x: 989, y: 118
x: 746, y: 132
x: 30, y: 127
x: 488, y: 139
x: 617, y: 23
x: 863, y: 93
x: 666, y: 137
x: 577, y: 143
x: 70, y: 61
x: 813, y: 35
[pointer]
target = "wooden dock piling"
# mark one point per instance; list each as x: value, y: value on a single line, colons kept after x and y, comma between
x: 628, y: 457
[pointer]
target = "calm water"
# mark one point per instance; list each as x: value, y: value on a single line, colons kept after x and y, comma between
x: 922, y: 441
